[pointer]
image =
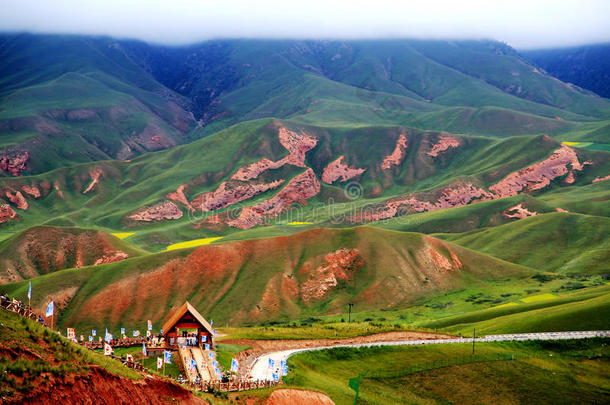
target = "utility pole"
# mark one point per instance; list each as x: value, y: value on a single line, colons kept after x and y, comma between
x: 474, y: 336
x: 350, y: 305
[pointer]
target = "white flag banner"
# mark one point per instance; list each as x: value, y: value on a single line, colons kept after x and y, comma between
x: 159, y: 362
x: 107, y: 349
x: 49, y: 310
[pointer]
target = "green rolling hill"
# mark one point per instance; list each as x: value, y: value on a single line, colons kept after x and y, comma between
x: 280, y: 150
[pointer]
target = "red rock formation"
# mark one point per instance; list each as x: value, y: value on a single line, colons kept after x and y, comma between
x: 451, y: 196
x: 396, y: 157
x: 6, y: 213
x: 14, y: 162
x: 300, y: 188
x: 560, y: 210
x: 570, y: 179
x: 598, y: 179
x: 95, y: 174
x: 111, y: 257
x: 17, y: 199
x: 539, y: 175
x: 519, y: 212
x: 340, y: 265
x: 296, y: 144
x: 444, y: 143
x: 439, y: 260
x: 178, y: 196
x: 230, y: 193
x: 253, y: 170
x: 32, y: 191
x: 337, y: 170
x: 158, y: 212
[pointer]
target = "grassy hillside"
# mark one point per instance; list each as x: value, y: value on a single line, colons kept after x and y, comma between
x: 580, y: 310
x: 71, y: 99
x: 578, y: 374
x: 312, y: 273
x: 104, y: 194
x: 43, y: 249
x: 557, y: 242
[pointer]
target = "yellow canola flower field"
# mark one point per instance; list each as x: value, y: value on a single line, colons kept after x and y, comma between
x: 296, y: 223
x: 192, y: 243
x: 123, y: 235
x: 540, y: 297
x: 509, y: 304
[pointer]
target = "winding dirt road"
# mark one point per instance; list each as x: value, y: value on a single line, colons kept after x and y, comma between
x: 261, y: 369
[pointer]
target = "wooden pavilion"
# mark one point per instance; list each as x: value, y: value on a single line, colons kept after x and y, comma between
x: 178, y: 329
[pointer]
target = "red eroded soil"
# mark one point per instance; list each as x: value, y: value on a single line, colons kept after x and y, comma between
x: 111, y: 257
x: 95, y: 174
x: 101, y: 387
x: 158, y: 212
x: 178, y: 196
x: 337, y: 170
x: 18, y: 199
x: 450, y: 196
x: 231, y: 192
x: 6, y: 213
x: 563, y: 161
x: 340, y: 265
x: 299, y: 189
x: 297, y: 144
x: 14, y: 162
x: 598, y: 179
x: 444, y: 143
x: 396, y: 157
x: 519, y: 212
x: 32, y: 191
x: 298, y: 397
x: 539, y: 175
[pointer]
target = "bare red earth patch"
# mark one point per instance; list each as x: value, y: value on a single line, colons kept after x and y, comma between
x: 396, y: 157
x: 444, y: 143
x: 539, y: 175
x: 519, y: 211
x: 337, y: 170
x: 299, y: 189
x: 158, y: 212
x: 340, y: 265
x: 14, y: 162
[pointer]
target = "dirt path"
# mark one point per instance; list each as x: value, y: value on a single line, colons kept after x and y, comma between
x: 260, y: 348
x: 265, y: 346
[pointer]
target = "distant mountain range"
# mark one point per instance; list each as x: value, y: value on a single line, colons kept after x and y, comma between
x: 585, y: 66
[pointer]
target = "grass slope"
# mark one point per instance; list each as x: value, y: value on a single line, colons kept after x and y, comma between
x: 43, y: 249
x: 541, y: 372
x: 557, y: 242
x: 266, y: 279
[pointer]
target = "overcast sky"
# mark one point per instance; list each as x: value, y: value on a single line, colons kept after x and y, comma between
x: 521, y: 23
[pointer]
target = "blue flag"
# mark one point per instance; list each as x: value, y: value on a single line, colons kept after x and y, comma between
x: 91, y: 338
x: 168, y: 357
x: 193, y: 363
x: 234, y: 365
x: 49, y: 309
x: 122, y: 331
x: 93, y: 332
x: 30, y: 291
x: 144, y: 349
